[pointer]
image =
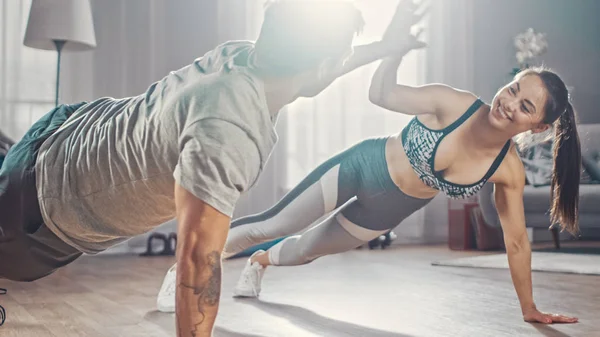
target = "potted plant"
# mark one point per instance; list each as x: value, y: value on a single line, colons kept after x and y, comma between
x: 529, y: 45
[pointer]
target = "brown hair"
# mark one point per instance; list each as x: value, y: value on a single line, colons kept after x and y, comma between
x: 566, y: 172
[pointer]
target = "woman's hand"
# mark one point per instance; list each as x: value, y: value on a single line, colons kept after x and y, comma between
x: 407, y: 15
x: 535, y: 316
x: 509, y: 185
x: 397, y: 39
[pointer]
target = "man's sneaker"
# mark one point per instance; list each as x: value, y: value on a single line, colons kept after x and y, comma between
x: 249, y: 283
x: 165, y: 302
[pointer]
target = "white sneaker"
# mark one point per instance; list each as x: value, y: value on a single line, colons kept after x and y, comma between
x: 225, y: 254
x: 249, y: 283
x: 165, y: 302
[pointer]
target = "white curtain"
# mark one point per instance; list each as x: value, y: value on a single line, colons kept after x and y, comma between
x: 26, y: 75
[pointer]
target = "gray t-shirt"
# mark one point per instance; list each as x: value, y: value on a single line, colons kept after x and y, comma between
x: 108, y: 174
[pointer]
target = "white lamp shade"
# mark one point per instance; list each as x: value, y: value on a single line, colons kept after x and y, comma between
x: 67, y: 20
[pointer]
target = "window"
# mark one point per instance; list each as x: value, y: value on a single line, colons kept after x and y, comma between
x: 27, y: 75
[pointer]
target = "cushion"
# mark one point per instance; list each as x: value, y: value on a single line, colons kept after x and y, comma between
x: 586, y: 178
x: 538, y: 163
x: 591, y: 164
x: 537, y: 199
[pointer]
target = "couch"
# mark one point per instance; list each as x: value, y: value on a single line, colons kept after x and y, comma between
x: 537, y: 198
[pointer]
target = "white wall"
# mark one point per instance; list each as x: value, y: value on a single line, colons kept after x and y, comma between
x: 573, y: 34
x: 139, y: 42
x: 471, y: 47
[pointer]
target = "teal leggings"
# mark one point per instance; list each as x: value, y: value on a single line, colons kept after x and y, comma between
x: 353, y: 196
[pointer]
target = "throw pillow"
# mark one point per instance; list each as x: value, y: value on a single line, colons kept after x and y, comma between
x: 591, y: 163
x: 538, y: 163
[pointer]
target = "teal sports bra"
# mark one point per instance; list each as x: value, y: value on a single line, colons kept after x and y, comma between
x: 420, y: 144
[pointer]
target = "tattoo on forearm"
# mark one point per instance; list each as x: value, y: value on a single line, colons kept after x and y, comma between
x: 210, y: 291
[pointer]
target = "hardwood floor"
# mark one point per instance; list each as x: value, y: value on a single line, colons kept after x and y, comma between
x: 395, y: 292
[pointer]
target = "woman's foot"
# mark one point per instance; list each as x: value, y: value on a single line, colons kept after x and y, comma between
x: 249, y: 283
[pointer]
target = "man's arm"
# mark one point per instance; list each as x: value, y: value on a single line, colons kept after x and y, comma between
x: 509, y: 203
x: 363, y: 55
x: 202, y: 233
x: 396, y: 42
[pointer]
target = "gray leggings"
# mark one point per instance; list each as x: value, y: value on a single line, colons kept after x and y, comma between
x: 353, y: 193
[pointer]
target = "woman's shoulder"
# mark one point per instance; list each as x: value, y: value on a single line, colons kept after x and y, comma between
x: 456, y: 103
x: 511, y: 171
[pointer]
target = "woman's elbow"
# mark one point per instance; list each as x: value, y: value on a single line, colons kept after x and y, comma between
x: 375, y: 95
x: 381, y: 99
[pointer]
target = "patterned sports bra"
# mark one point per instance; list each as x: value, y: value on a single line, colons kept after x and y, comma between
x: 420, y: 144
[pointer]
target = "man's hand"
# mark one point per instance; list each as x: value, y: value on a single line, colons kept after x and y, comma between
x: 534, y: 316
x: 202, y: 231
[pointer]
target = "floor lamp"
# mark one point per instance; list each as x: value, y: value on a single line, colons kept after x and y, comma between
x: 61, y: 25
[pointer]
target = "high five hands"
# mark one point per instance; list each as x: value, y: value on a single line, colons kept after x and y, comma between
x: 398, y: 38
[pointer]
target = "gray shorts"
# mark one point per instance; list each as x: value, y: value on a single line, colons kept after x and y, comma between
x: 28, y: 249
